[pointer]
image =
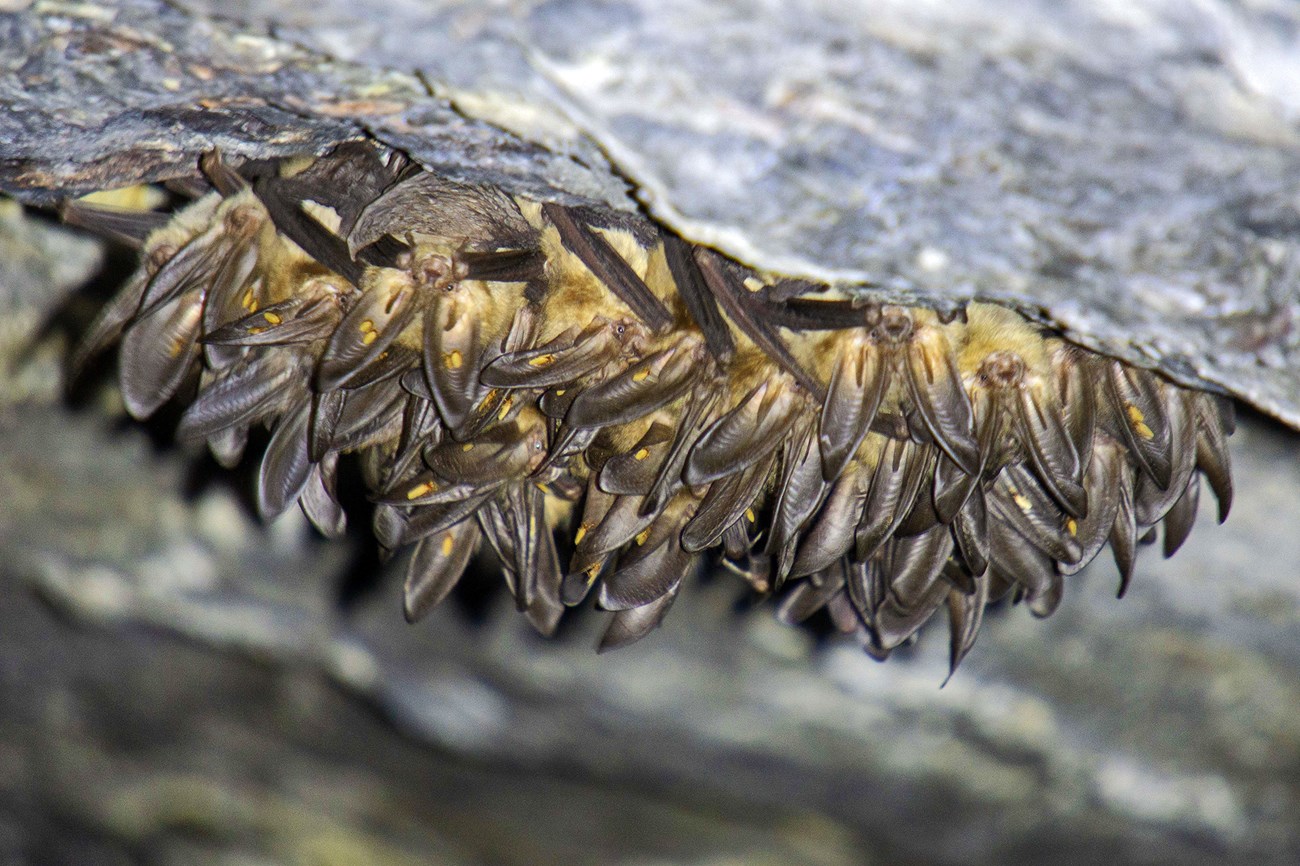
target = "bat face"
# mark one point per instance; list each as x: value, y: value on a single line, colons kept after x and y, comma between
x: 506, y: 370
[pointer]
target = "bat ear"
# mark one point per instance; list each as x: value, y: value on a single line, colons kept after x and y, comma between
x: 1019, y: 501
x: 1134, y: 400
x: 158, y: 352
x: 1212, y: 447
x: 386, y: 308
x: 970, y: 530
x: 436, y: 566
x: 831, y: 533
x: 1043, y: 434
x: 935, y: 385
x: 912, y: 572
x: 753, y: 429
x: 903, y: 468
x: 629, y: 626
x: 728, y: 500
x: 296, y: 320
x: 567, y: 358
x: 643, y: 387
x: 965, y: 615
x: 634, y: 471
x: 243, y: 395
x: 286, y: 466
x: 809, y: 596
x: 853, y: 396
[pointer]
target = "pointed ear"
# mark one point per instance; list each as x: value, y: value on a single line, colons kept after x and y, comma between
x: 652, y: 564
x: 1212, y: 448
x: 190, y: 270
x: 243, y: 395
x: 385, y: 309
x: 799, y: 492
x: 617, y: 526
x: 629, y: 626
x: 1135, y: 401
x: 1102, y: 481
x: 696, y: 416
x: 833, y: 526
x: 754, y: 428
x: 565, y: 359
x: 1124, y: 534
x: 1017, y: 500
x: 808, y: 596
x: 436, y: 566
x: 633, y: 472
x: 1032, y: 571
x: 897, y: 481
x: 1151, y: 503
x: 645, y: 386
x: 916, y: 588
x: 158, y: 352
x: 935, y: 385
x: 286, y: 466
x: 970, y: 530
x: 1043, y: 434
x: 319, y: 503
x: 1076, y: 385
x: 452, y: 351
x: 857, y: 386
x: 293, y: 321
x: 1182, y: 516
x: 965, y: 615
x: 727, y: 501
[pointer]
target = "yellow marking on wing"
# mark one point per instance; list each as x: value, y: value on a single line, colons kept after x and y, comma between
x: 542, y: 361
x: 421, y: 490
x: 453, y: 359
x: 447, y: 544
x: 1138, y: 422
x: 272, y: 318
x: 641, y: 454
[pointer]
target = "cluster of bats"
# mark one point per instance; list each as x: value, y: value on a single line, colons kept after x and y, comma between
x: 532, y: 379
